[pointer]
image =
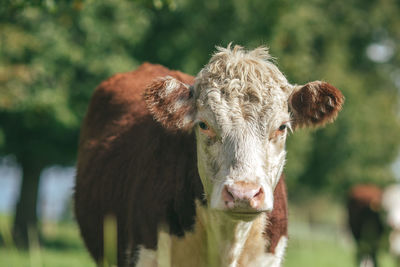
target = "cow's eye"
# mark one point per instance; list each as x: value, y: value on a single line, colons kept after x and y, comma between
x: 203, y: 126
x: 280, y: 131
x: 206, y: 129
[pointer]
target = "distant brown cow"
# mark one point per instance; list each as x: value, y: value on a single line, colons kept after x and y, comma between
x: 371, y: 212
x: 366, y: 224
x: 208, y: 171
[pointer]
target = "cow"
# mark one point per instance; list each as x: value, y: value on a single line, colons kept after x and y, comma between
x: 372, y: 212
x: 191, y: 168
x: 366, y: 225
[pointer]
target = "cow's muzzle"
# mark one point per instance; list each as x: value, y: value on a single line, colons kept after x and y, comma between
x: 243, y: 197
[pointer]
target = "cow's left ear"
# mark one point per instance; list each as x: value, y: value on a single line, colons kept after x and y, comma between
x: 171, y: 103
x: 315, y: 104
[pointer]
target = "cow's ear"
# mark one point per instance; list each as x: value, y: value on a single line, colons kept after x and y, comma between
x: 315, y: 104
x: 171, y: 102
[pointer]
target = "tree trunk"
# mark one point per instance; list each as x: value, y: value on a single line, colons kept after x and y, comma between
x: 25, y: 215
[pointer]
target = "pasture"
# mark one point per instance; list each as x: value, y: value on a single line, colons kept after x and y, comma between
x: 54, y: 53
x: 317, y: 238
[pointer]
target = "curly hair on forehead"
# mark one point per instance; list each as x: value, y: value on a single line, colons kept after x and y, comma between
x: 242, y: 72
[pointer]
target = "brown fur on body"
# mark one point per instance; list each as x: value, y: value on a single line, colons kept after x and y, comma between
x: 278, y: 219
x: 366, y: 225
x: 132, y: 167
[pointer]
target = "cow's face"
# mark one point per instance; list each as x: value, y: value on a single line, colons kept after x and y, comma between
x: 241, y: 108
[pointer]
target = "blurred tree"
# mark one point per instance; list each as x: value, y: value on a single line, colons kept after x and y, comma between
x: 334, y: 40
x: 52, y: 57
x: 54, y: 53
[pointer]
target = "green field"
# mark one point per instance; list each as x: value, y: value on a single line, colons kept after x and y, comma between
x: 310, y: 244
x: 61, y: 247
x: 323, y: 246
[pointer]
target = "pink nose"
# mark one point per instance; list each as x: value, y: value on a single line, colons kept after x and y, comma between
x: 243, y: 195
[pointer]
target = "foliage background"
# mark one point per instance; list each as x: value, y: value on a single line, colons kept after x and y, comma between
x: 54, y: 53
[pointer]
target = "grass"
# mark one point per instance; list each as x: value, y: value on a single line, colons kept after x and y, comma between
x: 317, y: 238
x: 61, y: 247
x: 324, y: 246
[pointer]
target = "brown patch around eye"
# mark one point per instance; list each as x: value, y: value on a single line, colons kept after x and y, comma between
x: 206, y: 129
x: 282, y: 127
x: 203, y: 126
x: 280, y: 131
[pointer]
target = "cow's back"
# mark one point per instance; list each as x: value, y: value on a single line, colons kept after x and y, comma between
x: 129, y: 166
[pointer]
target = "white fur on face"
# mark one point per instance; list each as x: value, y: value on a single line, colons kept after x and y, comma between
x: 243, y: 98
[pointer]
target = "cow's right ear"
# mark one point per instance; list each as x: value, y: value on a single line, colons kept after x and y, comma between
x: 171, y: 102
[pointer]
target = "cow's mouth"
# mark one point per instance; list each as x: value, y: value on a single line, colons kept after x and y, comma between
x: 243, y: 215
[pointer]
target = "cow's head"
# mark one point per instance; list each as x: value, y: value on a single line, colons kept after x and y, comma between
x: 241, y: 108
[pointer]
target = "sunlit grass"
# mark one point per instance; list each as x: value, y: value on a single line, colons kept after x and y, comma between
x: 50, y: 258
x: 61, y: 247
x: 318, y: 236
x: 324, y: 246
x: 110, y: 241
x: 35, y: 255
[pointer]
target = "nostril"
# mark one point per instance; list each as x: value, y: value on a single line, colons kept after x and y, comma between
x: 259, y: 193
x: 244, y: 195
x: 228, y: 196
x: 257, y: 200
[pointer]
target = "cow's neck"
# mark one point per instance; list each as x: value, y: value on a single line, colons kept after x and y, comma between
x: 216, y: 240
x: 225, y: 237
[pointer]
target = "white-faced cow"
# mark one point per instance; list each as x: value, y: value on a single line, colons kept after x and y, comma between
x: 200, y: 158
